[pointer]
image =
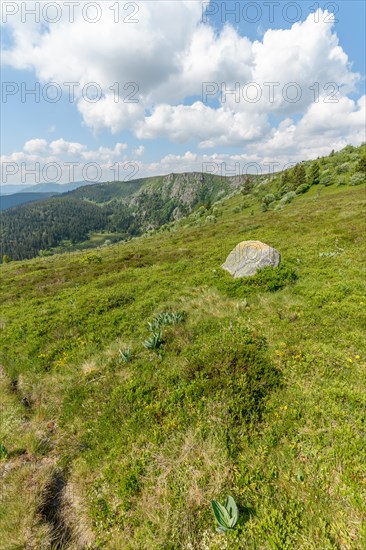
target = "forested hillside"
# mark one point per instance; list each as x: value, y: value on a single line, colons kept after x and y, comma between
x: 29, y: 228
x: 126, y: 209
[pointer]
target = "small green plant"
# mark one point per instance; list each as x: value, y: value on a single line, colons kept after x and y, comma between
x: 176, y: 317
x: 267, y: 199
x: 154, y: 341
x: 158, y: 322
x: 227, y: 515
x: 343, y: 168
x: 3, y: 451
x: 166, y: 318
x: 326, y: 178
x: 126, y: 355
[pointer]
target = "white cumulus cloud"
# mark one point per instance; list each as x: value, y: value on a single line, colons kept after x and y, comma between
x: 151, y: 74
x: 34, y: 146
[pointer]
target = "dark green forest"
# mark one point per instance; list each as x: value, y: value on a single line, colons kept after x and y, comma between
x: 30, y: 228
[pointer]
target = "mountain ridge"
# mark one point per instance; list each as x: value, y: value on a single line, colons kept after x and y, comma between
x: 45, y: 187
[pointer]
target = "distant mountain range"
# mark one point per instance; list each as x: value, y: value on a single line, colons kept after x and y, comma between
x: 10, y: 189
x: 9, y: 201
x: 50, y: 187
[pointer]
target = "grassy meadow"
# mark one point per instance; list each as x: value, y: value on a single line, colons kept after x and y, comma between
x: 256, y: 389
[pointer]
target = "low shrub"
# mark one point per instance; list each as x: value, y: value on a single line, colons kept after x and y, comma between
x: 302, y: 188
x: 281, y: 192
x: 231, y: 373
x: 267, y: 279
x: 343, y: 168
x: 91, y: 259
x: 326, y: 179
x: 357, y: 178
x: 270, y: 279
x: 267, y: 199
x: 289, y: 197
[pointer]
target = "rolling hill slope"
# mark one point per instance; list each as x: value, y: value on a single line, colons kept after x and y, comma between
x: 254, y: 388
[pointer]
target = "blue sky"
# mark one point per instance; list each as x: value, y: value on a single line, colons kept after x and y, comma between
x: 164, y: 130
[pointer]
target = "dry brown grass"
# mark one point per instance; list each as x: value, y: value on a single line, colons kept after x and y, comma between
x: 184, y: 463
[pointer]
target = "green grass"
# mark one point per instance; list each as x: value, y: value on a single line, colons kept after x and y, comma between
x: 258, y: 393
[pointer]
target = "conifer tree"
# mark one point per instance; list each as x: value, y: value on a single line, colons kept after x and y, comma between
x: 314, y: 174
x: 299, y: 175
x: 361, y: 165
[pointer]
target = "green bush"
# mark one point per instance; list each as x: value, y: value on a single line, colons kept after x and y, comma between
x: 281, y: 192
x: 267, y: 199
x: 91, y: 259
x: 302, y: 188
x: 289, y: 197
x: 343, y: 168
x: 270, y: 279
x: 326, y: 179
x: 361, y: 165
x: 357, y: 178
